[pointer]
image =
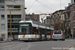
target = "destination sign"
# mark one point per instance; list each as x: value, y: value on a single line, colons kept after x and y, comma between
x: 24, y: 25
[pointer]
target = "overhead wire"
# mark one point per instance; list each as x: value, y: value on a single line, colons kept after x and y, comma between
x: 32, y: 5
x: 40, y: 3
x: 44, y: 5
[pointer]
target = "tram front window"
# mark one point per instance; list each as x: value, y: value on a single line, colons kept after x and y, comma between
x: 24, y: 29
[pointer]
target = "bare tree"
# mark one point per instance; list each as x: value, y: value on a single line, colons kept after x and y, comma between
x: 57, y: 25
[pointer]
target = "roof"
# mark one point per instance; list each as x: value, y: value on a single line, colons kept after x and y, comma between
x: 38, y: 24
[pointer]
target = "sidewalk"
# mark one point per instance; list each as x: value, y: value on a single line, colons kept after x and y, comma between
x: 4, y: 41
x: 71, y: 47
x: 69, y: 38
x: 8, y: 41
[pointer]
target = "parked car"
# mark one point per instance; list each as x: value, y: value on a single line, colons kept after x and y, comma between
x: 1, y: 39
x: 58, y: 35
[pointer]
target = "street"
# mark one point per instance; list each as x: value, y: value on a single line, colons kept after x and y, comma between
x: 39, y: 45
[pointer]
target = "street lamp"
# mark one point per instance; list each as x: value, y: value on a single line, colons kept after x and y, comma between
x: 11, y: 21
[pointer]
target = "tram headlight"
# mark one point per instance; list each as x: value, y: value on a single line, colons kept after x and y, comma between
x: 19, y: 36
x: 29, y: 36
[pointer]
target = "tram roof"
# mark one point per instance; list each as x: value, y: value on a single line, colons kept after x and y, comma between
x: 36, y: 24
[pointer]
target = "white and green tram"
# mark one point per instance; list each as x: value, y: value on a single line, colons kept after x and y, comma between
x: 32, y: 30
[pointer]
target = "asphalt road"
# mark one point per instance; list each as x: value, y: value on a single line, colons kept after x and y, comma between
x: 39, y: 45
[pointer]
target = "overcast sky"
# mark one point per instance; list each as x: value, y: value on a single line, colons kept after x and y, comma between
x: 45, y: 6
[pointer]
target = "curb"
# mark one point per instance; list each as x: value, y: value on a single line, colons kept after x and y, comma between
x: 5, y: 41
x: 70, y: 38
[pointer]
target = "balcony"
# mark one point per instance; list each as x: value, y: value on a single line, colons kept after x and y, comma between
x: 14, y: 20
x: 13, y: 6
x: 14, y: 10
x: 13, y: 29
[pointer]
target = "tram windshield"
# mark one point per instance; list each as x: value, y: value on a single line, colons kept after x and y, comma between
x: 24, y: 29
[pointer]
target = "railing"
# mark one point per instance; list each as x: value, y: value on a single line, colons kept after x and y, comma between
x: 13, y: 29
x: 14, y: 18
x: 14, y: 10
x: 14, y: 21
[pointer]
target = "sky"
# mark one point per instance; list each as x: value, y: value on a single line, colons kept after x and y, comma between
x: 45, y: 6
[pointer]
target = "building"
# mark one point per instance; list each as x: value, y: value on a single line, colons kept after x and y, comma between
x: 72, y: 1
x: 57, y: 17
x: 34, y: 17
x: 70, y: 11
x: 47, y: 20
x: 68, y: 21
x: 72, y: 18
x: 16, y: 15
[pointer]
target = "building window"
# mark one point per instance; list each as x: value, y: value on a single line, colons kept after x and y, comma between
x: 1, y: 7
x: 3, y: 36
x: 2, y: 26
x: 2, y: 17
x: 69, y: 24
x: 12, y: 6
x: 1, y: 1
x: 74, y: 1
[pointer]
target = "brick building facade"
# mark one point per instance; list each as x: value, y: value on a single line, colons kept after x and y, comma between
x: 54, y: 18
x: 72, y: 19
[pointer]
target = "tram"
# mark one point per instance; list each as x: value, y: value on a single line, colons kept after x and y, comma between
x: 33, y: 31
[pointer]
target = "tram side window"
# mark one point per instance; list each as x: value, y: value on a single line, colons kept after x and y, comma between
x: 34, y: 30
x: 48, y: 32
x: 42, y: 31
x: 35, y: 33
